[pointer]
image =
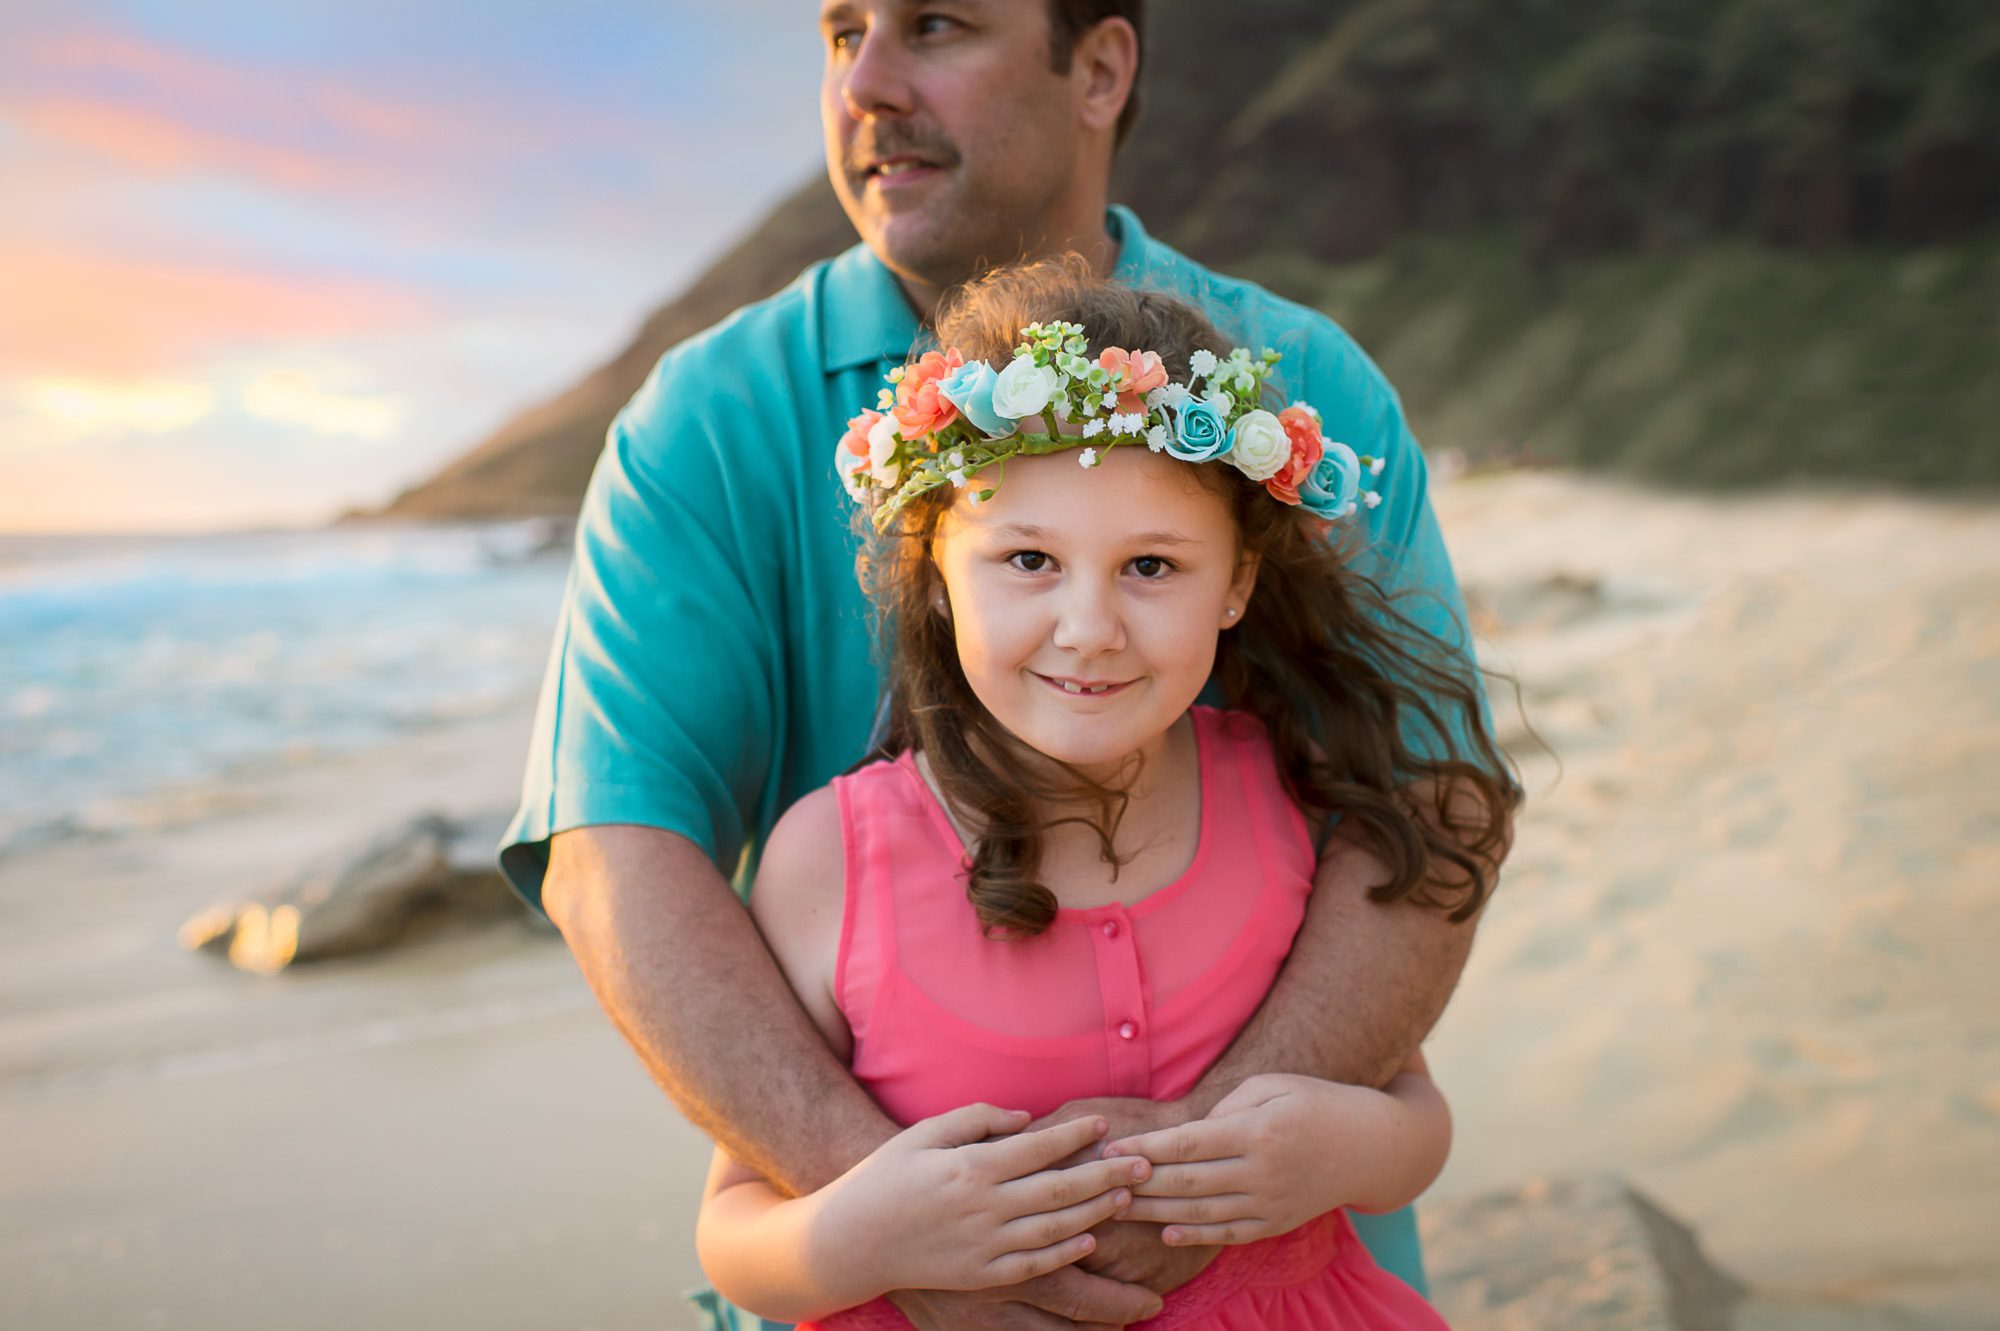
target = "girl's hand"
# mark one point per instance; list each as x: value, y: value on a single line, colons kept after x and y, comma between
x: 940, y: 1206
x: 1274, y: 1153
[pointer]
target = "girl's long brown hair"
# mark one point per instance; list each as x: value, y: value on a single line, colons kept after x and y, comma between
x: 1354, y: 695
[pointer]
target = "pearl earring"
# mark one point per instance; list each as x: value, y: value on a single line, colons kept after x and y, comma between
x: 1232, y: 612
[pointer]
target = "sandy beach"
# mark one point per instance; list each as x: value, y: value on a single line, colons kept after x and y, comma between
x: 1738, y: 958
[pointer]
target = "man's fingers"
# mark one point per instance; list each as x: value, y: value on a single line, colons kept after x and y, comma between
x: 1031, y: 1152
x: 968, y: 1124
x: 1076, y: 1294
x: 1192, y: 1211
x: 1203, y: 1139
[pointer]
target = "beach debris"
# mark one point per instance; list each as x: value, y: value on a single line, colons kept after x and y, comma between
x: 424, y: 872
x: 1584, y: 1252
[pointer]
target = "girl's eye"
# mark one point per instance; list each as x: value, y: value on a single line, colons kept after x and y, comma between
x: 1028, y: 561
x: 1151, y: 567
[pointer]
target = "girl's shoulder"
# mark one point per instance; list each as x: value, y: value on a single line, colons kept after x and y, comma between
x: 797, y: 902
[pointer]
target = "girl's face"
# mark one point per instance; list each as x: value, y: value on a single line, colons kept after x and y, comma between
x: 1086, y: 602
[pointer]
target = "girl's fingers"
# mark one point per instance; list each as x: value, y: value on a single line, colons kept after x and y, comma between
x: 1032, y: 1152
x: 1054, y: 1189
x: 1202, y: 1236
x: 1185, y: 1211
x: 1033, y: 1233
x: 968, y: 1124
x: 1203, y: 1139
x: 1206, y: 1178
x: 1014, y: 1267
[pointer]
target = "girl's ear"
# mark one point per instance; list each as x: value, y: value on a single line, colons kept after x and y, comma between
x: 1240, y: 589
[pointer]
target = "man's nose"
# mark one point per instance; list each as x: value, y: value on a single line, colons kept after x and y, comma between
x: 1088, y: 622
x: 877, y: 81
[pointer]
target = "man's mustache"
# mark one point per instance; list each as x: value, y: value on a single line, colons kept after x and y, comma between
x: 878, y: 146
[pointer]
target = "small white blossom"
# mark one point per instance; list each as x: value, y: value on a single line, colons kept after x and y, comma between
x: 1373, y: 499
x: 1220, y: 400
x: 955, y: 458
x: 1109, y: 400
x: 1129, y: 423
x: 1088, y: 458
x: 1375, y: 466
x: 1202, y: 362
x: 1156, y: 438
x: 1169, y: 395
x: 956, y: 477
x: 1092, y: 430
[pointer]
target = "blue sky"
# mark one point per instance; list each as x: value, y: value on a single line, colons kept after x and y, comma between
x: 261, y: 262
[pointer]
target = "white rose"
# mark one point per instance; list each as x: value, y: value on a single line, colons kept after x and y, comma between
x: 1262, y: 448
x: 882, y: 445
x: 852, y: 470
x: 1023, y: 388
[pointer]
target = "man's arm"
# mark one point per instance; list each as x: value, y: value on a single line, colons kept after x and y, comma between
x: 683, y: 973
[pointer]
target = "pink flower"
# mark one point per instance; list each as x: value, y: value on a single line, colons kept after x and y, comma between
x: 1302, y: 428
x: 920, y: 407
x: 855, y: 440
x: 1133, y: 375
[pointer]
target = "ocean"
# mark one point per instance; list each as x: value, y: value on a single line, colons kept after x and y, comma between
x: 145, y: 680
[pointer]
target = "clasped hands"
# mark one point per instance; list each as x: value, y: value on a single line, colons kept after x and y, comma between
x: 1096, y: 1210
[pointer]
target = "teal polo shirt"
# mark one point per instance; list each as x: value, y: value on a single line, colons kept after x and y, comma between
x: 712, y: 661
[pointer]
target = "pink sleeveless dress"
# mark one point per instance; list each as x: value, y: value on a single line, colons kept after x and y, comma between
x: 1119, y: 1000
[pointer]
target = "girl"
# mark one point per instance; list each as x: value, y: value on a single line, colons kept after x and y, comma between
x: 1064, y: 878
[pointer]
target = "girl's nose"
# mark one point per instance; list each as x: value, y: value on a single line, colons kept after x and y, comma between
x: 1088, y: 623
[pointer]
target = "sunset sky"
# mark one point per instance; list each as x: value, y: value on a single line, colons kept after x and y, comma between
x: 263, y: 261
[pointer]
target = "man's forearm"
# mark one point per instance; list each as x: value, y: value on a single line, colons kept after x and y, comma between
x: 683, y: 973
x: 1363, y: 986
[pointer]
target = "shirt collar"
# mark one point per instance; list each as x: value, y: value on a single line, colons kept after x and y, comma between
x: 866, y: 319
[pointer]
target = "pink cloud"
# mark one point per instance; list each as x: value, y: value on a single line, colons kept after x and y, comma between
x: 72, y: 312
x: 182, y: 111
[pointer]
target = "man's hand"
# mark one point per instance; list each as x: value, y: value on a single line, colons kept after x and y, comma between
x: 1126, y: 1251
x: 1065, y: 1300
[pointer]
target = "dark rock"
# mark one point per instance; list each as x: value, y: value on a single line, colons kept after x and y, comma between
x: 428, y: 872
x: 1584, y: 1253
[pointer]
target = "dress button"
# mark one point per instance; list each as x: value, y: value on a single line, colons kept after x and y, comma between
x: 1111, y: 928
x: 1127, y: 1030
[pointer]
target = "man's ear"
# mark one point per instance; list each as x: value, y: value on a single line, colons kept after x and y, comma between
x: 1105, y: 63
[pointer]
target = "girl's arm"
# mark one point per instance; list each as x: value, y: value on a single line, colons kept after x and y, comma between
x: 1281, y: 1149
x: 941, y: 1205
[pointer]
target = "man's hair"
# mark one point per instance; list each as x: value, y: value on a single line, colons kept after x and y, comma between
x: 1070, y: 19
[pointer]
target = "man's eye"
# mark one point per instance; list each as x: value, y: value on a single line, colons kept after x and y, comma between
x: 842, y: 40
x: 1151, y: 566
x: 925, y: 23
x: 1028, y: 561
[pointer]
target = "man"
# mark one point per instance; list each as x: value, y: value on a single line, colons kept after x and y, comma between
x: 712, y: 662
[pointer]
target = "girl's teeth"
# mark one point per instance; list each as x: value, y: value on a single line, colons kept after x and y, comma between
x: 1078, y: 688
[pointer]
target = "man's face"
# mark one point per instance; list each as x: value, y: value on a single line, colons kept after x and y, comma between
x: 949, y: 139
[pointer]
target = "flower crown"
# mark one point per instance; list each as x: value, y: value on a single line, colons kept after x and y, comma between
x: 944, y: 420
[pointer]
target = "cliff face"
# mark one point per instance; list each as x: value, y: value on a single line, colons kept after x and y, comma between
x: 1295, y: 133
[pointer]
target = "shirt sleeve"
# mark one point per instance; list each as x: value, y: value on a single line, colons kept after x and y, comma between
x: 656, y: 707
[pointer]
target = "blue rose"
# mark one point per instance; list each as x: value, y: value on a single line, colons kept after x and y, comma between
x: 1199, y: 434
x: 1329, y: 490
x: 970, y: 389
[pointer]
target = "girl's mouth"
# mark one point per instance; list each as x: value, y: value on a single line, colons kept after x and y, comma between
x: 1082, y: 688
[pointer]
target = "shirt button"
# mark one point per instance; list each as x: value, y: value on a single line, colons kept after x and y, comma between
x: 1111, y: 928
x: 1127, y: 1030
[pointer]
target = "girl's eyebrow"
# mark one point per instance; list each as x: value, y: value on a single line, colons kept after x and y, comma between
x: 1022, y: 531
